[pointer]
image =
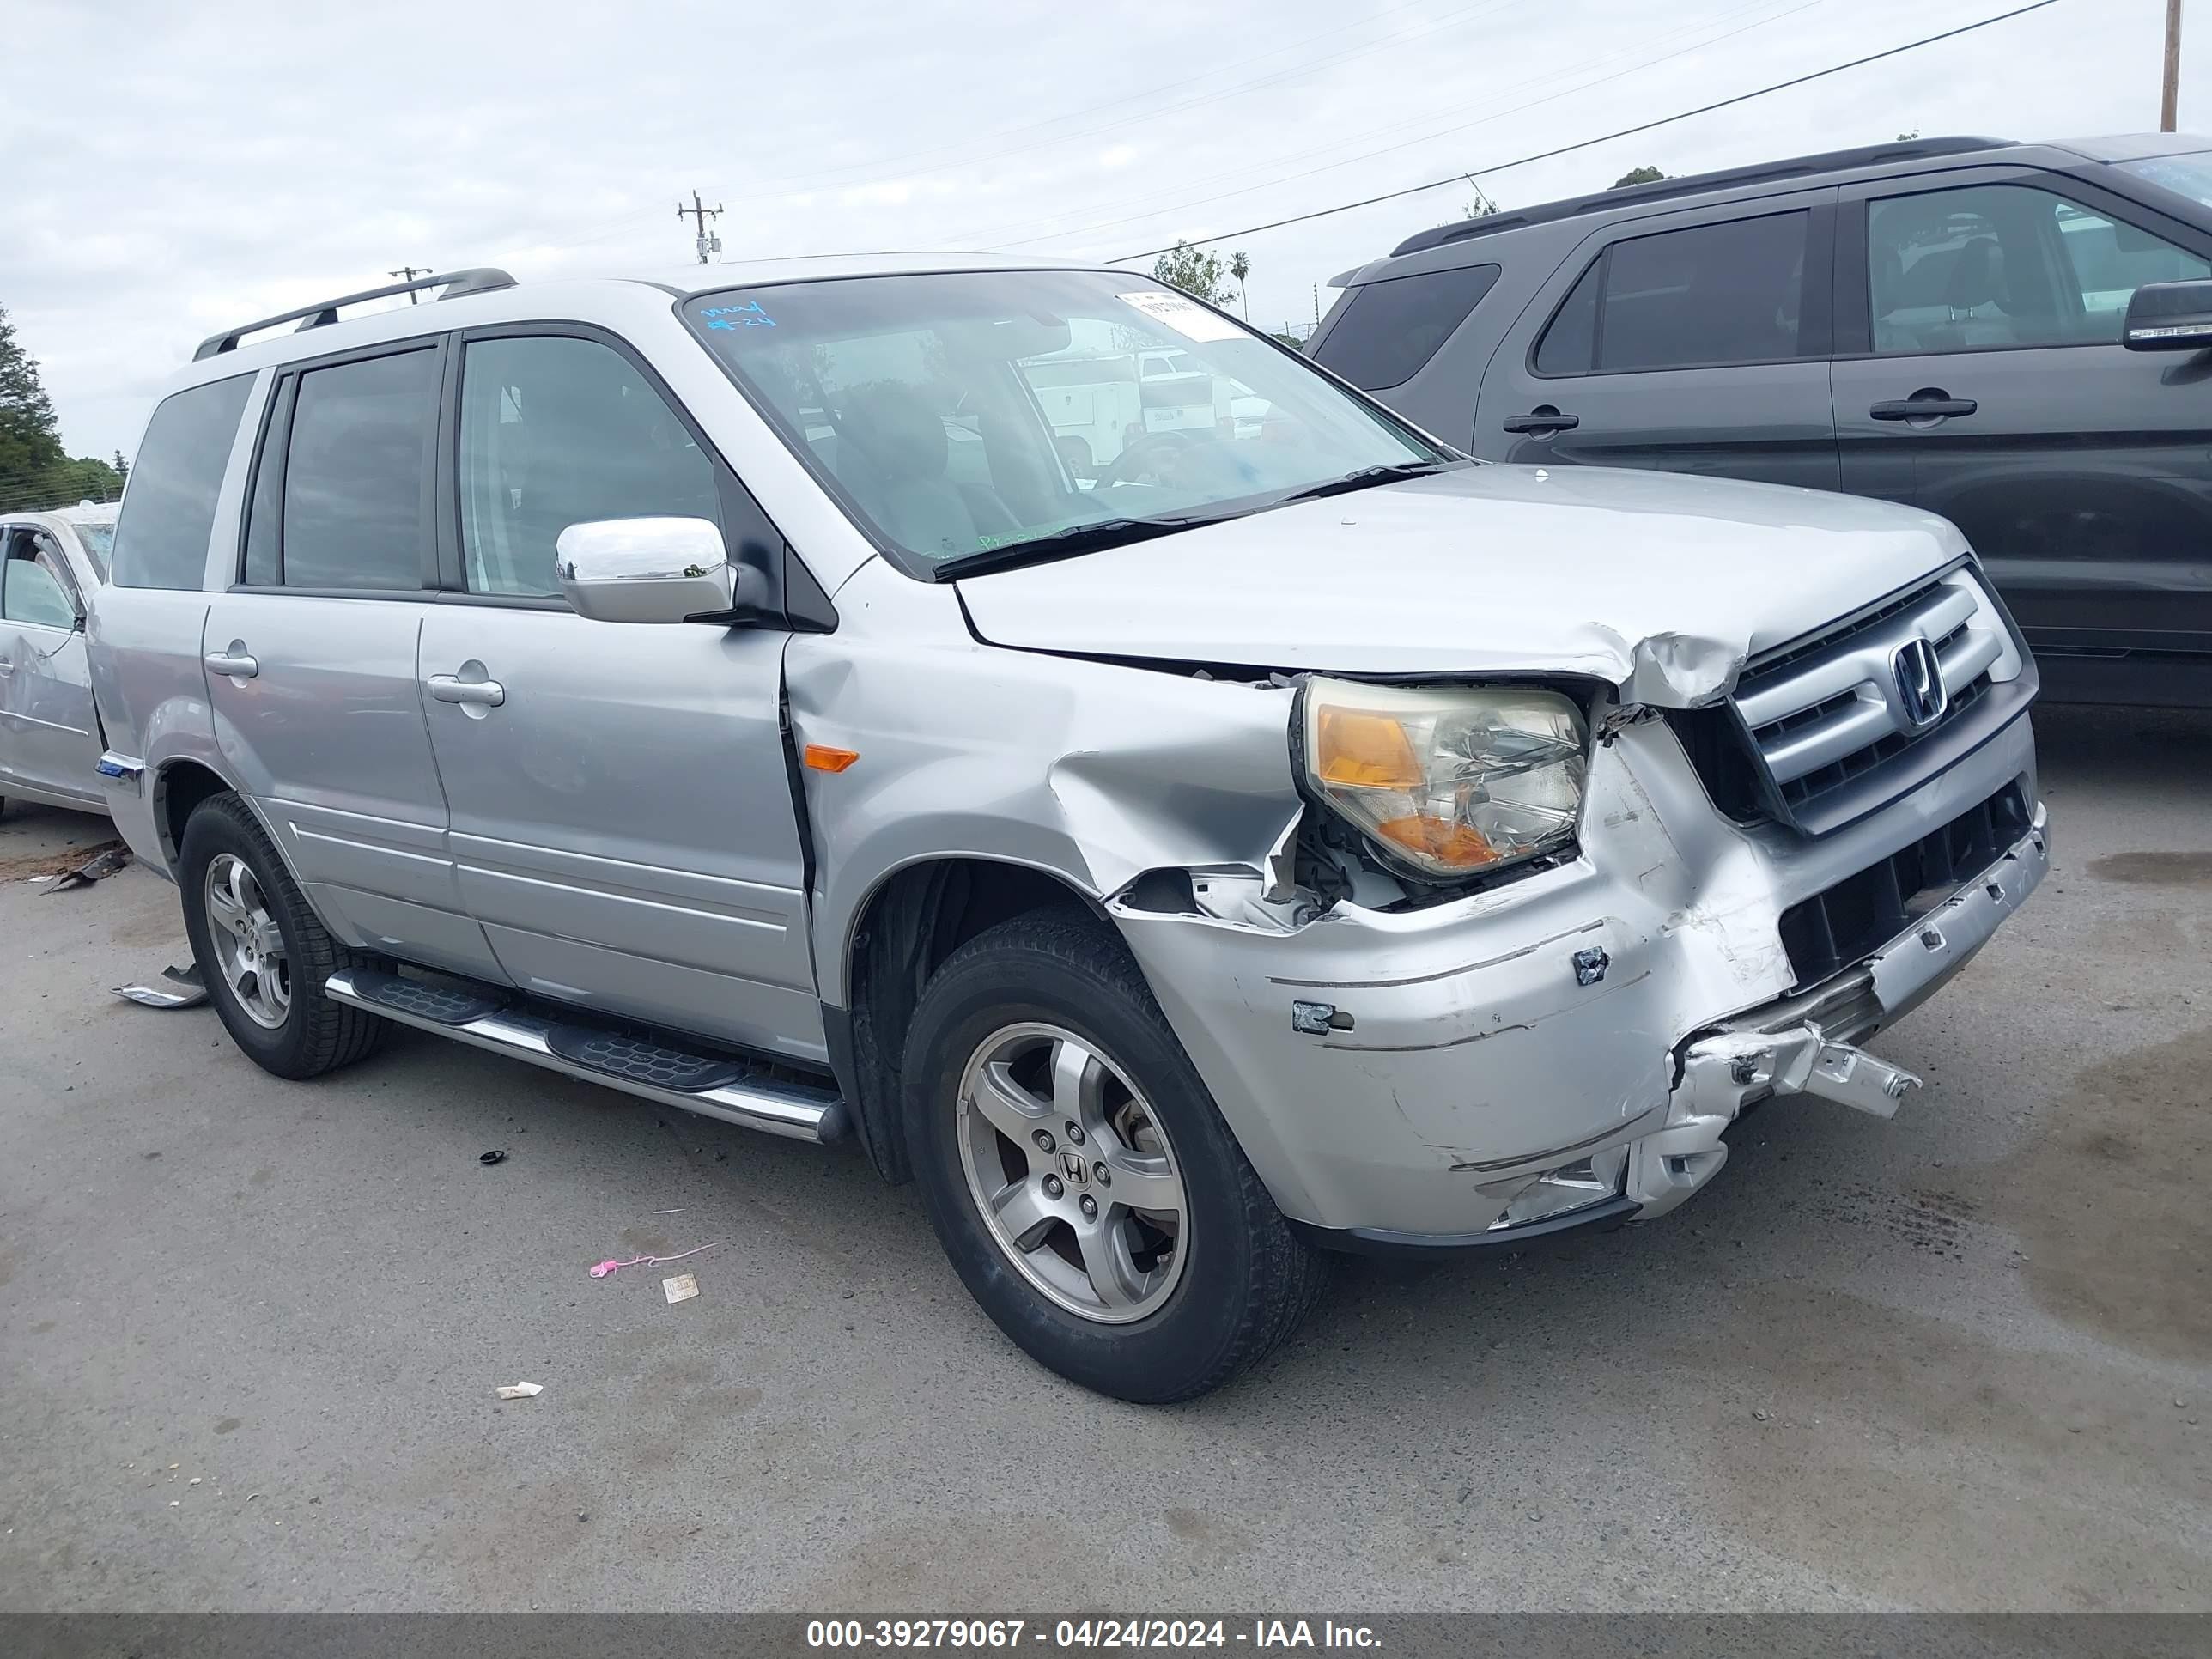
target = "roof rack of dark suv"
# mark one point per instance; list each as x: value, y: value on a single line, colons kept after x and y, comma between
x: 1833, y: 160
x: 324, y: 312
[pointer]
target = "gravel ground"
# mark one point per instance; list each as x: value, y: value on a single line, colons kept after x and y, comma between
x: 249, y: 1330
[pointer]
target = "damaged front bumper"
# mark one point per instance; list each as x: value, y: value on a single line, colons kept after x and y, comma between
x: 1567, y: 1049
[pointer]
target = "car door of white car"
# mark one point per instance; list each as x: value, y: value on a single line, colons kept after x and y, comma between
x: 48, y: 737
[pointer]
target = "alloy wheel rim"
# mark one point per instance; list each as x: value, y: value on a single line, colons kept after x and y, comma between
x: 248, y: 945
x: 1073, y: 1173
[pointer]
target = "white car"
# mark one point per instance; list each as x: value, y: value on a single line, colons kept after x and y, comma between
x: 49, y: 740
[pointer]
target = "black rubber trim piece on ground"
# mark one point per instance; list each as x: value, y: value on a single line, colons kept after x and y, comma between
x: 444, y: 1004
x: 639, y: 1059
x: 1381, y: 1241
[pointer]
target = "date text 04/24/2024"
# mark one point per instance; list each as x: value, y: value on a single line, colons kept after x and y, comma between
x: 1086, y: 1634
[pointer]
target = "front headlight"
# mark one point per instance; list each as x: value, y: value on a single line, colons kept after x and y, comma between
x: 1450, y: 780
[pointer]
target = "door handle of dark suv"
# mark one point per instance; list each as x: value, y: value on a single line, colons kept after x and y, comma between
x: 1543, y: 418
x: 1922, y: 407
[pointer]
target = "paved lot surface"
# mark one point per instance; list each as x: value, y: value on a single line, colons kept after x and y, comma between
x: 249, y: 1330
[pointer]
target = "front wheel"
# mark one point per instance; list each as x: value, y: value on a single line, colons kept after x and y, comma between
x: 1080, y: 1176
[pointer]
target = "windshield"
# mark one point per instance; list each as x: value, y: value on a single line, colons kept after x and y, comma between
x: 963, y: 416
x: 2187, y: 175
x: 99, y: 540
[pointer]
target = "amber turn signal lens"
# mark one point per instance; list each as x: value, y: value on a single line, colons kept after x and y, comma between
x: 1453, y: 845
x: 1364, y: 751
x: 823, y: 758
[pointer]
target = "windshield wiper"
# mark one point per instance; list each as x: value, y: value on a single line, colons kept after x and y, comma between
x: 1065, y: 544
x: 1366, y: 477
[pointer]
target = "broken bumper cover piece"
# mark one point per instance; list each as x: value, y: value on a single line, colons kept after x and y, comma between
x: 1803, y: 1045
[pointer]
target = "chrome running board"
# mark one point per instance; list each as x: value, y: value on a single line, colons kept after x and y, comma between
x: 797, y: 1111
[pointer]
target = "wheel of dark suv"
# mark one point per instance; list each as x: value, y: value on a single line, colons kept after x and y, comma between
x: 1081, y: 1178
x: 261, y: 951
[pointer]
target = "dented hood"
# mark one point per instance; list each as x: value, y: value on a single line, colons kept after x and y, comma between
x: 1658, y: 582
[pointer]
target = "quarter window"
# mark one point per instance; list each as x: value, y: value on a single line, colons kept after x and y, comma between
x: 1696, y: 297
x: 556, y: 431
x: 1391, y: 329
x: 162, y: 538
x: 356, y: 474
x: 1996, y: 266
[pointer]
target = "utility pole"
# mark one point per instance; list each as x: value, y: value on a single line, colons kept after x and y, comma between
x: 2166, y: 108
x: 700, y: 212
x: 408, y: 274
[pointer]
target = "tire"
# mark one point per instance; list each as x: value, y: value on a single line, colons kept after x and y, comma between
x: 312, y: 1035
x: 1230, y: 1281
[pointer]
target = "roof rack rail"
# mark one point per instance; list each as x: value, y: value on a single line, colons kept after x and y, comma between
x: 480, y: 280
x: 1698, y: 184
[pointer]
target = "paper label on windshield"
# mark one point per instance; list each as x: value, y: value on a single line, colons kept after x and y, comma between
x: 1182, y: 314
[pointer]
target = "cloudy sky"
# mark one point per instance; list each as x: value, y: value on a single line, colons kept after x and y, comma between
x: 167, y: 170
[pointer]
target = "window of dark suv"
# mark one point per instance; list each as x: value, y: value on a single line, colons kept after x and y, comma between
x: 1701, y: 297
x: 1388, y: 330
x: 162, y: 538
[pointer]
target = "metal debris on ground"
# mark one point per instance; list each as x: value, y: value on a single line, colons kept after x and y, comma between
x: 497, y: 1155
x: 609, y: 1268
x: 518, y: 1390
x: 182, y: 987
x: 104, y: 861
x: 682, y: 1288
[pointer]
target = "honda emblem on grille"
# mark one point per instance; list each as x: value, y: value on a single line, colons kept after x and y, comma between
x: 1921, y: 697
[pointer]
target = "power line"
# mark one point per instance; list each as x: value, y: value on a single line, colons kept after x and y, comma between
x: 1428, y: 138
x: 408, y: 274
x: 1588, y: 144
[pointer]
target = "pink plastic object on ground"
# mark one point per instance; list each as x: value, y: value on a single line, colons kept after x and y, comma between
x: 609, y: 1268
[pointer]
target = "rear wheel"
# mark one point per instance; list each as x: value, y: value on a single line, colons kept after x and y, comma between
x: 1080, y: 1177
x: 262, y: 954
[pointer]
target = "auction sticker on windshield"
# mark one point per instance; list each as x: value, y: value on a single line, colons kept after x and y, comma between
x: 1183, y: 314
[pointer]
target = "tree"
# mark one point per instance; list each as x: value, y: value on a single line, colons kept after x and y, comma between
x: 1197, y: 274
x: 1646, y: 175
x: 35, y: 470
x: 1287, y: 338
x: 30, y: 441
x: 1907, y: 137
x: 1240, y: 267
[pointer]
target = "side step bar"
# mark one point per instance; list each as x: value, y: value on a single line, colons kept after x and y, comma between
x: 720, y: 1089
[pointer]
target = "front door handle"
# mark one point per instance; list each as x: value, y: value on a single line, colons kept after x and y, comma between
x: 1923, y: 406
x: 481, y: 694
x: 1543, y: 418
x: 233, y: 660
x: 6, y: 668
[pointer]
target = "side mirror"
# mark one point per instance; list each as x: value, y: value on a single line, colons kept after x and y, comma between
x: 651, y: 570
x: 2169, y: 317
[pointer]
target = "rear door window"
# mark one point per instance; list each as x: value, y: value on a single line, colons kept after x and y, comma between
x: 1701, y: 297
x: 356, y: 475
x: 162, y: 538
x: 1391, y: 329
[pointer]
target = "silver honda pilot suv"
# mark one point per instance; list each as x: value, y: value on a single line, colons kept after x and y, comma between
x: 1182, y: 816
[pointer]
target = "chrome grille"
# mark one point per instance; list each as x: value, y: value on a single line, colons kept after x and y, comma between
x: 1820, y: 731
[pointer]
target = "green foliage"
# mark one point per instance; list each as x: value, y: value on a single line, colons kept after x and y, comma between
x: 1287, y: 338
x: 1637, y: 176
x: 29, y: 439
x: 1197, y: 274
x: 35, y: 470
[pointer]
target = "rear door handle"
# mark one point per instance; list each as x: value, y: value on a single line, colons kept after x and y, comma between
x: 1543, y: 418
x: 1923, y: 408
x: 450, y: 687
x: 233, y: 661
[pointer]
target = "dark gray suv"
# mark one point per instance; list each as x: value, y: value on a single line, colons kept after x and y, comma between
x: 2018, y: 336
